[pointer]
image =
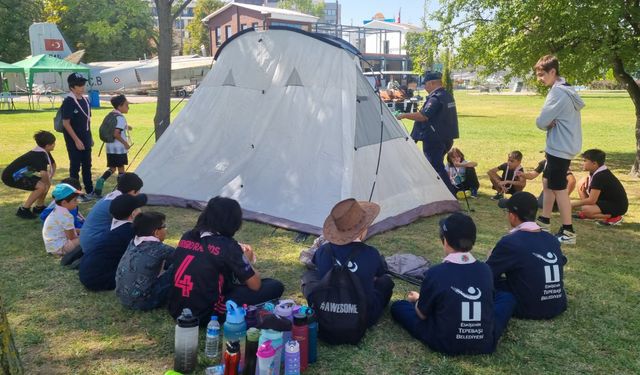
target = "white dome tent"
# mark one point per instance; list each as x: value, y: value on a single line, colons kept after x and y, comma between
x: 286, y: 123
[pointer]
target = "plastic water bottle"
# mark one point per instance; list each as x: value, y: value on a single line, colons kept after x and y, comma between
x: 266, y: 358
x: 186, y: 342
x: 292, y: 358
x: 212, y: 343
x: 277, y: 343
x: 300, y: 333
x: 235, y: 329
x: 284, y: 309
x: 251, y: 362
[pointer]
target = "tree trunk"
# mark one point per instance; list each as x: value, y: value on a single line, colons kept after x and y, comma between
x: 9, y: 359
x: 634, y: 92
x: 165, y: 42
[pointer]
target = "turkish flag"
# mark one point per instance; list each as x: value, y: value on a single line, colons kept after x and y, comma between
x: 53, y: 45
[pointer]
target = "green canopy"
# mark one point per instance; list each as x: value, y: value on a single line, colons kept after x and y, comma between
x: 10, y: 68
x: 47, y: 64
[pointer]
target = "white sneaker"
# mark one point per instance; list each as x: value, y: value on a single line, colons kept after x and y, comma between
x: 566, y: 237
x: 544, y: 226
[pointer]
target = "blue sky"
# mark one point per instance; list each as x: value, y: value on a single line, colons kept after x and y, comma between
x: 359, y: 10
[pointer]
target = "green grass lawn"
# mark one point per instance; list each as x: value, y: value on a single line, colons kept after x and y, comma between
x: 63, y: 329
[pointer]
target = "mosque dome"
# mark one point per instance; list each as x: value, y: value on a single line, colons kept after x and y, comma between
x: 378, y: 16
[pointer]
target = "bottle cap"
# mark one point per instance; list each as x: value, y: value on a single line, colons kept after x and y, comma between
x: 187, y: 320
x: 235, y: 314
x: 292, y: 346
x: 233, y: 347
x: 299, y: 319
x: 214, y: 317
x: 253, y: 334
x: 266, y: 350
x: 285, y: 308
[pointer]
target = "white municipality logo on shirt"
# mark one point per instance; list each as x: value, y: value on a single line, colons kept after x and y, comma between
x: 551, y: 271
x: 352, y: 266
x: 471, y: 311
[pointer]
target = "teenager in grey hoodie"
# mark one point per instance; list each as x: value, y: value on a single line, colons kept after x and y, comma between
x: 560, y: 118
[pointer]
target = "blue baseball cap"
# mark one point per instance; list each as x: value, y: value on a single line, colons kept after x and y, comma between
x: 431, y: 76
x: 61, y: 191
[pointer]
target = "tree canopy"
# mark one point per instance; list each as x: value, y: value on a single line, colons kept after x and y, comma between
x: 303, y: 6
x: 106, y: 29
x: 198, y: 32
x: 588, y: 37
x: 16, y: 16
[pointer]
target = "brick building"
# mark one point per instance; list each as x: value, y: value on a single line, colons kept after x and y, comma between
x: 235, y: 17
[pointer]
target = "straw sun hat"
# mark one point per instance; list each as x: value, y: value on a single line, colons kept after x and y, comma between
x: 348, y: 219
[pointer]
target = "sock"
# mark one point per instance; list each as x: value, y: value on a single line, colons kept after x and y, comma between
x: 568, y: 227
x: 106, y: 174
x: 544, y: 220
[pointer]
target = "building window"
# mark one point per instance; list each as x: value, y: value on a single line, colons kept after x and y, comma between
x: 243, y: 26
x: 255, y: 25
x: 330, y: 12
x: 386, y: 47
x: 227, y: 32
x: 293, y: 25
x: 218, y: 36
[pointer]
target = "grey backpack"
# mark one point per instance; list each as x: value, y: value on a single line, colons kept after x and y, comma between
x: 57, y: 121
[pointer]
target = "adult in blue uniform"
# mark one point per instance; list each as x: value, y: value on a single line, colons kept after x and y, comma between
x: 436, y: 124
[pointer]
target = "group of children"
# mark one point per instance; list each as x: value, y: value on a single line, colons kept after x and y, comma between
x: 602, y: 195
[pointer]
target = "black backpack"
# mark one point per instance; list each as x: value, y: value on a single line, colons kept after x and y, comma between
x: 340, y: 304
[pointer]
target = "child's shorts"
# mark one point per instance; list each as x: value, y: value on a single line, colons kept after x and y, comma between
x: 117, y: 160
x: 23, y: 183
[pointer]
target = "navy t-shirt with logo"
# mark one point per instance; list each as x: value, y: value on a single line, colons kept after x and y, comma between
x: 530, y: 265
x: 205, y: 268
x: 367, y: 265
x: 80, y: 124
x: 457, y: 300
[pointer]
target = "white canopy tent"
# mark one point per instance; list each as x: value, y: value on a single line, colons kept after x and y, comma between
x: 287, y: 124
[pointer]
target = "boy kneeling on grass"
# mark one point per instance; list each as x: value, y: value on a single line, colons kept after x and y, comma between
x: 58, y: 232
x: 455, y: 311
x: 602, y: 195
x: 141, y: 283
x: 33, y: 172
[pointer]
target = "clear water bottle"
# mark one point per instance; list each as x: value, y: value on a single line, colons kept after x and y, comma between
x: 212, y: 344
x: 186, y: 343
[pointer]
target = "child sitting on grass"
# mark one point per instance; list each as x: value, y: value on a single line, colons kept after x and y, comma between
x: 33, y: 172
x: 58, y: 232
x: 141, y: 283
x: 511, y: 181
x: 78, y: 219
x: 456, y: 311
x: 462, y: 172
x: 117, y: 150
x: 602, y: 196
x: 98, y: 268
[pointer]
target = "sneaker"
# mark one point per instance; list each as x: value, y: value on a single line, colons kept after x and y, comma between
x: 616, y: 220
x: 38, y: 209
x: 497, y: 197
x: 544, y: 226
x: 25, y: 213
x: 84, y: 198
x: 566, y: 237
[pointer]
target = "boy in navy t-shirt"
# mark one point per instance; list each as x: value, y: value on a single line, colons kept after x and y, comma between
x: 345, y: 228
x: 455, y: 311
x: 528, y: 262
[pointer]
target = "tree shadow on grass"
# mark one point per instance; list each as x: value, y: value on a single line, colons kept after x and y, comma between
x: 620, y: 161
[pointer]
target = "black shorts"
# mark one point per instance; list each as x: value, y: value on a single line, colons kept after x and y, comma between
x: 117, y: 160
x: 556, y: 172
x: 24, y: 183
x: 612, y: 208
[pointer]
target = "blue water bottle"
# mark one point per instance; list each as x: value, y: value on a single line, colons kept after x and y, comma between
x: 292, y: 358
x: 313, y: 336
x: 235, y: 329
x: 277, y: 343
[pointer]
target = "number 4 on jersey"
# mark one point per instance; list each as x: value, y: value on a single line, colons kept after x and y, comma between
x: 181, y: 280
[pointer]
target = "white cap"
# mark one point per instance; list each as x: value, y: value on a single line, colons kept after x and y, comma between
x: 292, y: 346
